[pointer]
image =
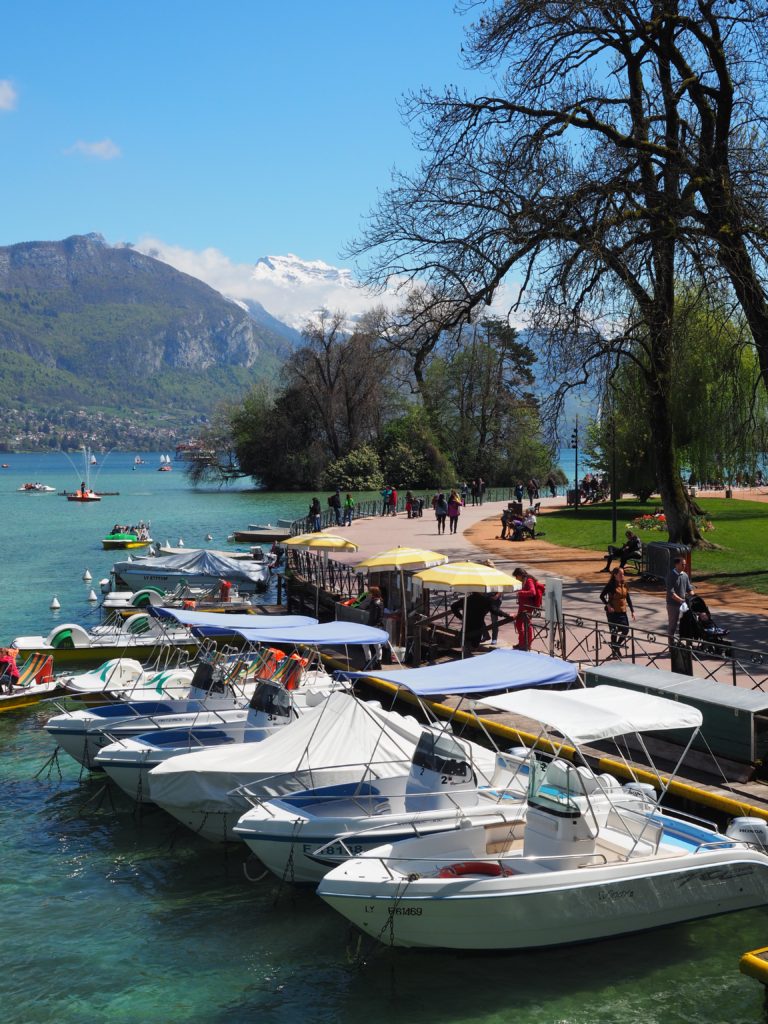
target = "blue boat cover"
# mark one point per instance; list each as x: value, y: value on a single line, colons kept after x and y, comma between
x: 276, y: 629
x: 189, y: 617
x: 323, y: 634
x: 485, y: 673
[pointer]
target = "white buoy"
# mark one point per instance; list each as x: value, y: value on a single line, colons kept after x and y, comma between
x: 92, y: 596
x: 87, y: 576
x: 181, y: 542
x: 209, y: 536
x: 54, y: 603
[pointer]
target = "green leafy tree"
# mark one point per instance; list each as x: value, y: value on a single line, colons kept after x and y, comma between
x: 479, y: 397
x: 359, y: 470
x: 410, y: 453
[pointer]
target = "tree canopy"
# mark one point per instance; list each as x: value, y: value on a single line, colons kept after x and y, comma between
x: 620, y: 149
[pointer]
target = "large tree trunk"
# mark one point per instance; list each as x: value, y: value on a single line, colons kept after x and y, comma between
x: 680, y: 523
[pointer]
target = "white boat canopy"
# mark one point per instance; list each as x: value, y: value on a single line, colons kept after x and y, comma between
x: 597, y: 713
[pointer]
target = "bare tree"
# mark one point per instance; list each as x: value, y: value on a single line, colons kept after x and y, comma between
x: 622, y: 150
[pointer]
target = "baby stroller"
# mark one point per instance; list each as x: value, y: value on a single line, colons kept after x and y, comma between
x: 699, y: 631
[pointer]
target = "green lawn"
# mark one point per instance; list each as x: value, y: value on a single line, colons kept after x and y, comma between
x: 741, y: 533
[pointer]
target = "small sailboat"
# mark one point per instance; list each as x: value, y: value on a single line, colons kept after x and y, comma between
x: 165, y: 464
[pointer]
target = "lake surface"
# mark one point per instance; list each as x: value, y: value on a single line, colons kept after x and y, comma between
x: 111, y: 917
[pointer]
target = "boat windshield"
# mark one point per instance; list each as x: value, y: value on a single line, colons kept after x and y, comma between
x: 271, y: 698
x: 441, y: 753
x: 553, y: 786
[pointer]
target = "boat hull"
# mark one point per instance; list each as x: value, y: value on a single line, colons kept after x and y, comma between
x: 84, y: 656
x: 561, y: 908
x: 23, y: 697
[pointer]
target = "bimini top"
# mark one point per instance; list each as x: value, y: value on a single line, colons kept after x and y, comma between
x: 189, y: 617
x: 598, y: 713
x: 278, y: 629
x: 498, y: 670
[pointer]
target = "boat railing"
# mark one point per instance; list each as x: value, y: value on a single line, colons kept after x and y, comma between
x: 247, y: 789
x: 506, y: 865
x: 419, y: 829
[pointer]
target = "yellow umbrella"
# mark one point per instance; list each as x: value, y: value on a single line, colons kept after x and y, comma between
x: 467, y: 578
x: 398, y: 560
x: 324, y: 542
x: 320, y: 542
x: 403, y: 558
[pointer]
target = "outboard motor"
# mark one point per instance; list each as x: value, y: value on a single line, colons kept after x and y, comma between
x: 271, y: 706
x: 753, y: 831
x: 441, y: 774
x: 643, y: 790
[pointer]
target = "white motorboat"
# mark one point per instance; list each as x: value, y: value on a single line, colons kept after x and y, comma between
x: 590, y: 860
x: 196, y: 567
x: 299, y: 836
x: 343, y: 740
x: 36, y: 488
x: 446, y: 783
x: 219, y: 690
x: 82, y: 732
x: 131, y: 755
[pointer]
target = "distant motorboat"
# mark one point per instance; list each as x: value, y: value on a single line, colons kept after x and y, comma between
x: 36, y: 488
x: 138, y: 461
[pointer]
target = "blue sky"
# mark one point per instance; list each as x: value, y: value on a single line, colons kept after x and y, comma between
x: 248, y: 127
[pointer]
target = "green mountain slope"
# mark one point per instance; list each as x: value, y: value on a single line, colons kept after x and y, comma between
x: 93, y: 326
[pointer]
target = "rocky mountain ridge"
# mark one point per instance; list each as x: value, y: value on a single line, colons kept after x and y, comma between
x: 87, y: 324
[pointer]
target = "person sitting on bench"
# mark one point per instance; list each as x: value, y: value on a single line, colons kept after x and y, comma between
x: 631, y: 549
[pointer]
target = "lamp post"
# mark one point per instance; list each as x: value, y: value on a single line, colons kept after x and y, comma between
x: 614, y: 481
x: 575, y: 446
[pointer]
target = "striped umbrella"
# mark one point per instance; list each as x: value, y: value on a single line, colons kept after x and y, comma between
x: 467, y: 578
x: 398, y: 560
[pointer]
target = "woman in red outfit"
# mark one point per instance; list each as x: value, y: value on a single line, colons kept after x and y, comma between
x: 526, y: 602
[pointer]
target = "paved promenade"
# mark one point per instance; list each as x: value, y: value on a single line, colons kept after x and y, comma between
x: 743, y: 614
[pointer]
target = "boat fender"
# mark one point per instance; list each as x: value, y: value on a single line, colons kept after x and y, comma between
x: 473, y: 867
x: 753, y: 831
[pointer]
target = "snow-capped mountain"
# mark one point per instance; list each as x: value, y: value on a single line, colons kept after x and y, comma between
x: 291, y: 271
x: 289, y: 288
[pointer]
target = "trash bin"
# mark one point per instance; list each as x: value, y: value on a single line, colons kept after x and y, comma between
x: 659, y: 556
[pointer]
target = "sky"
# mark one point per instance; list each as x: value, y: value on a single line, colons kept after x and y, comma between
x: 219, y: 132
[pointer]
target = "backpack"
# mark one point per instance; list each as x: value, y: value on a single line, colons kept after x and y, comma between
x: 540, y: 589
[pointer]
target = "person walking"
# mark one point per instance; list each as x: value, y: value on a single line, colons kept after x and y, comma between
x: 349, y: 508
x: 441, y: 511
x: 393, y: 501
x: 315, y: 515
x: 334, y: 503
x: 526, y: 602
x: 464, y: 492
x: 616, y: 599
x: 679, y: 592
x: 473, y: 491
x: 454, y: 511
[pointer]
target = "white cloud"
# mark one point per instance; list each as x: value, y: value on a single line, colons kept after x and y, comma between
x: 8, y: 95
x: 103, y: 150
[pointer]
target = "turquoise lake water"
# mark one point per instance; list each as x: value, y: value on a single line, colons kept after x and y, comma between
x: 109, y: 916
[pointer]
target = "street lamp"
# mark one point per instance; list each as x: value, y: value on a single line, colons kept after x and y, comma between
x: 575, y: 445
